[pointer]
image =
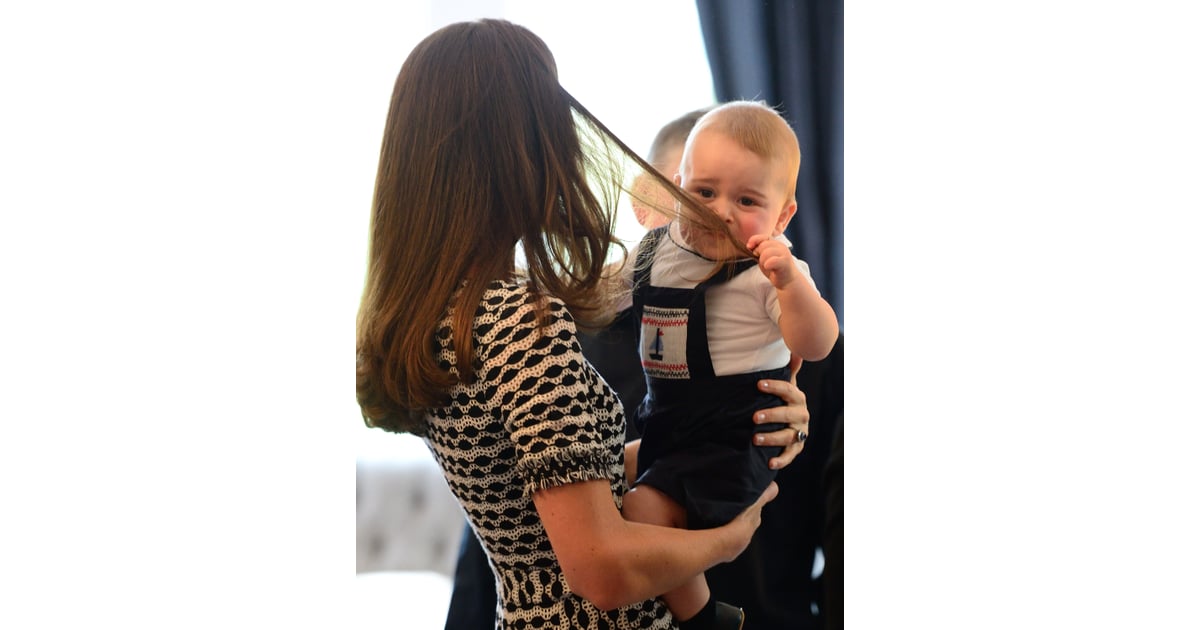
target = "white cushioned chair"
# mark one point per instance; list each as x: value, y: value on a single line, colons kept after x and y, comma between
x: 408, y: 531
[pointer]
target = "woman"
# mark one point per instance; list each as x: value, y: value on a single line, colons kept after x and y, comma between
x: 484, y: 152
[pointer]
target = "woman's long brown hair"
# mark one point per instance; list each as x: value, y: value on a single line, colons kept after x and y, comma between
x: 483, y: 151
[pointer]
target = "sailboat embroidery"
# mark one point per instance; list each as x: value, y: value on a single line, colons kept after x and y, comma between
x: 664, y: 342
x: 656, y: 348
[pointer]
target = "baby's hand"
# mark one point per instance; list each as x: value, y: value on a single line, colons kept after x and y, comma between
x: 774, y: 258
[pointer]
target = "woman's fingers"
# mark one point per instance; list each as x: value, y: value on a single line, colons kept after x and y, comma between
x: 794, y: 414
x: 750, y: 519
x: 770, y: 493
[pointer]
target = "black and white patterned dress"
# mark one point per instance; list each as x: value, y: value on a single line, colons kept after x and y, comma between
x: 537, y: 416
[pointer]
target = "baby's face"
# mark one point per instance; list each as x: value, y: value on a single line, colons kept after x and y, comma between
x: 747, y: 191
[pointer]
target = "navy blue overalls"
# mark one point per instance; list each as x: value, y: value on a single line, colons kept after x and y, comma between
x: 696, y: 426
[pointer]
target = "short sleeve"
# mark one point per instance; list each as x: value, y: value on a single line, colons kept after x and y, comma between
x: 548, y: 400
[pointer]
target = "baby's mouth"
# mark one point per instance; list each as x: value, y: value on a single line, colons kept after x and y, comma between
x: 694, y: 231
x: 708, y: 243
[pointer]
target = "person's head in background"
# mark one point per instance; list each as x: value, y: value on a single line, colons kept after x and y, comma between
x: 665, y: 153
x: 741, y: 160
x: 666, y: 150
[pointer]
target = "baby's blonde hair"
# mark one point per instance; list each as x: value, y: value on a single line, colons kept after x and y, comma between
x: 760, y: 129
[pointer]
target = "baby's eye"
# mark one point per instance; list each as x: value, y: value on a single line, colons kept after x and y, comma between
x: 705, y: 193
x: 747, y: 201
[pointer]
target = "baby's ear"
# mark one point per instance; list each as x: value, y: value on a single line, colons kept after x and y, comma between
x: 784, y: 217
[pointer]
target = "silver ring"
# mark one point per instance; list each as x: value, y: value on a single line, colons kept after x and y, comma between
x: 800, y: 436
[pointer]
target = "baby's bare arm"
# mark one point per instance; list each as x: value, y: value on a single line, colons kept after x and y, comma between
x: 808, y: 323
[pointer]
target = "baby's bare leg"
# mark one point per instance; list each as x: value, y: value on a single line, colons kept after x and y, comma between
x: 645, y: 504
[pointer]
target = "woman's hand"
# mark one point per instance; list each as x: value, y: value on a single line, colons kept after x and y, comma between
x: 794, y: 414
x: 748, y: 521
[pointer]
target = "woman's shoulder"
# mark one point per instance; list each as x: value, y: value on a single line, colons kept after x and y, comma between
x: 513, y: 300
x: 507, y: 291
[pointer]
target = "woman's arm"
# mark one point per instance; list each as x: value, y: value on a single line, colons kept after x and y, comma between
x: 612, y: 562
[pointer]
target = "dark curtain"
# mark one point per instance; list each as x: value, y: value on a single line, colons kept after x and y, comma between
x: 789, y: 54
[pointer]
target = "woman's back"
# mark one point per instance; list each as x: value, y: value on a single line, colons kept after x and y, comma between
x: 537, y: 416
